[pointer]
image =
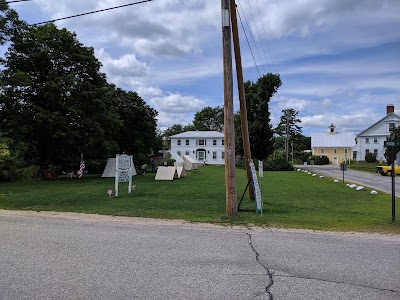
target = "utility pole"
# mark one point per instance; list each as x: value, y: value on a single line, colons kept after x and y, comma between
x: 230, y: 169
x: 242, y: 98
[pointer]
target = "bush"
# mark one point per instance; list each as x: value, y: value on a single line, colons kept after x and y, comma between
x: 277, y: 163
x: 319, y: 160
x: 370, y: 157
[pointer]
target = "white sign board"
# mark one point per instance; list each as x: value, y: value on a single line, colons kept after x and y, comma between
x: 260, y: 168
x: 257, y: 192
x: 123, y: 171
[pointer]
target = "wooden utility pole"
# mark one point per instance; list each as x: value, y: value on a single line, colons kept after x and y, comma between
x: 230, y: 168
x: 242, y: 98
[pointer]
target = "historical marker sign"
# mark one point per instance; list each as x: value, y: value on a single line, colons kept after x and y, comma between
x: 257, y: 192
x: 123, y: 171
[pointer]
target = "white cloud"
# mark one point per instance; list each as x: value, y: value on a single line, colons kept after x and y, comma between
x: 126, y: 65
x: 177, y: 104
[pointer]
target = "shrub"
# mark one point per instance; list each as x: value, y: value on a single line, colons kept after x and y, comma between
x: 319, y: 160
x: 370, y: 157
x: 277, y: 163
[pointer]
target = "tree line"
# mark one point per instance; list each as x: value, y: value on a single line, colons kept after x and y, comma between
x: 56, y: 104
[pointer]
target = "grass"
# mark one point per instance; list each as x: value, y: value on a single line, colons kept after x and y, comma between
x: 364, y: 166
x: 291, y: 200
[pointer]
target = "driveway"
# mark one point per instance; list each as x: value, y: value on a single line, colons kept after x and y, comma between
x: 45, y: 255
x: 376, y: 181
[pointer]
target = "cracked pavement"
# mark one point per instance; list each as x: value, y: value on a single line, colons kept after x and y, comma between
x: 47, y: 255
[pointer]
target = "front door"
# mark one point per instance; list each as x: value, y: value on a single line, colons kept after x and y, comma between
x: 335, y: 160
x: 201, y: 156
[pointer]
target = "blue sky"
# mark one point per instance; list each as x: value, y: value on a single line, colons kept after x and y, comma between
x: 339, y: 61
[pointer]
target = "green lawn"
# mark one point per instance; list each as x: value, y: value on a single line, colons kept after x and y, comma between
x: 291, y: 200
x: 364, y: 166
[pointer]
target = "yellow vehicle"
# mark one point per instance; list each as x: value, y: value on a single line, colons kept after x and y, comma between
x: 387, y: 170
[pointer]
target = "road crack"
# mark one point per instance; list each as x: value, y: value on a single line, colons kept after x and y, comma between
x: 269, y: 273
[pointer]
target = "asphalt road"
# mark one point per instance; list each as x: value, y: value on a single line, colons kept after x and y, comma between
x: 74, y: 256
x: 376, y: 181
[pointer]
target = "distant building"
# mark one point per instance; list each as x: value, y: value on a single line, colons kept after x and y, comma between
x: 372, y: 139
x: 204, y: 146
x: 336, y: 146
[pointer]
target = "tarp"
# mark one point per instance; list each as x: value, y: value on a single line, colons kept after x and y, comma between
x: 109, y: 170
x: 165, y: 173
x: 190, y: 163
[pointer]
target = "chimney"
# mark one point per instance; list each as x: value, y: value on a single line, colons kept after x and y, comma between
x: 389, y: 109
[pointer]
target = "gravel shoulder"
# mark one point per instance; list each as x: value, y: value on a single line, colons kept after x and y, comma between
x: 81, y: 217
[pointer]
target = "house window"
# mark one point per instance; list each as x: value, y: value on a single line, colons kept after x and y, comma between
x: 186, y: 152
x: 376, y: 152
x: 375, y: 140
x: 214, y: 142
x: 201, y: 142
x: 223, y: 142
x: 222, y: 155
x: 391, y: 126
x: 366, y: 151
x: 367, y: 140
x: 354, y: 154
x: 187, y: 142
x: 334, y: 150
x: 178, y: 152
x: 345, y: 151
x: 214, y: 155
x: 179, y: 142
x: 322, y: 150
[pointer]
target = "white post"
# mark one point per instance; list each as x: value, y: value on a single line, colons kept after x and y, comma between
x: 130, y: 176
x: 116, y: 175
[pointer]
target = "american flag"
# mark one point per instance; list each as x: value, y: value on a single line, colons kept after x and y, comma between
x: 82, y: 167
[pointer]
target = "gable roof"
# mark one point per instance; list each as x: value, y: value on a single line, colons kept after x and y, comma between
x: 385, y: 117
x: 323, y: 139
x: 198, y: 134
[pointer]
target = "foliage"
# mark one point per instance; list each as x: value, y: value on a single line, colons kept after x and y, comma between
x: 370, y: 157
x: 289, y: 119
x: 258, y: 96
x: 319, y: 160
x: 139, y: 128
x: 394, y: 136
x: 277, y: 163
x: 10, y: 23
x: 56, y: 104
x: 209, y: 118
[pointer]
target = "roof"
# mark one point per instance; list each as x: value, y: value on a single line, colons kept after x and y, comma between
x: 385, y: 117
x: 346, y: 139
x: 198, y: 134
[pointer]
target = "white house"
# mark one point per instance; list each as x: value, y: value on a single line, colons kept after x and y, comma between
x: 204, y: 146
x: 372, y: 139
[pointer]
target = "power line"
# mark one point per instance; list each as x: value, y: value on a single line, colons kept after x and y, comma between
x: 248, y: 43
x: 16, y: 1
x: 92, y: 12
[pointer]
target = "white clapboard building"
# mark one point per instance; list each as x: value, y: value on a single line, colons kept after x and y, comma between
x: 206, y: 147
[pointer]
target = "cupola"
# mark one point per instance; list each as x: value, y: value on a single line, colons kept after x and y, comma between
x: 332, y: 129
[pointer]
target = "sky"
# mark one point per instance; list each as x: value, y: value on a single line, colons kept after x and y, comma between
x: 339, y: 61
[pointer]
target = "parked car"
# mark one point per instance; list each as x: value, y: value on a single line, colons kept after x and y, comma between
x: 387, y: 170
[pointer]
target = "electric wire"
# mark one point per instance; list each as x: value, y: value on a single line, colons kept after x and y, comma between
x: 91, y: 12
x: 259, y: 38
x: 16, y: 1
x: 248, y: 43
x: 251, y: 51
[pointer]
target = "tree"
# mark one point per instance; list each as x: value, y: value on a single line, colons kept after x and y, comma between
x: 258, y: 96
x: 288, y: 128
x: 139, y: 129
x: 53, y: 98
x: 394, y: 136
x: 209, y: 118
x: 10, y: 23
x: 289, y: 118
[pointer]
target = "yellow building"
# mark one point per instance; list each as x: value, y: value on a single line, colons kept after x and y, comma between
x: 336, y: 146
